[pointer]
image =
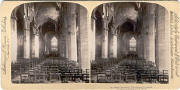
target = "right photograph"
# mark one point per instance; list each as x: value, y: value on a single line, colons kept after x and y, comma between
x: 130, y: 43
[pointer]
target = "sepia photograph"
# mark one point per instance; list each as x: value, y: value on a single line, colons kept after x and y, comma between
x: 130, y: 43
x: 47, y: 43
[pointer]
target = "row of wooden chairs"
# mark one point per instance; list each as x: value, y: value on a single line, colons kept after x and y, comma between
x: 52, y: 73
x: 132, y: 77
x: 58, y: 70
x: 23, y: 65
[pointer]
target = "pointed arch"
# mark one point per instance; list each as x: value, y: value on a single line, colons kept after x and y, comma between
x: 54, y: 44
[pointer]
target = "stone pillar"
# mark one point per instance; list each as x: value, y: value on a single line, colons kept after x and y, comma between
x: 124, y: 44
x: 26, y: 34
x: 149, y: 33
x: 37, y: 45
x: 113, y: 45
x: 62, y: 44
x: 67, y: 46
x: 66, y: 34
x: 144, y: 46
x: 14, y: 39
x: 127, y: 45
x: 105, y: 44
x: 84, y: 33
x: 162, y: 39
x: 26, y: 43
x: 118, y: 46
x: 71, y: 13
x: 35, y: 41
x: 141, y: 46
x: 93, y: 51
x: 104, y: 34
x: 137, y: 46
x: 26, y: 40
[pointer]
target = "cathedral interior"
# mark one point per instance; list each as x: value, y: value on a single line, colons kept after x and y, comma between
x: 130, y: 43
x: 55, y: 42
x: 49, y: 42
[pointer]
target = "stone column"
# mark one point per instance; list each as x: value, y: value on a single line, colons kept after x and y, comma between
x: 162, y: 39
x: 113, y: 44
x: 138, y: 46
x: 118, y: 46
x: 26, y: 34
x: 93, y: 43
x: 149, y: 33
x: 124, y: 44
x: 14, y: 39
x: 104, y: 34
x: 66, y: 34
x: 35, y: 41
x: 127, y: 45
x: 71, y: 13
x: 26, y: 43
x: 36, y: 45
x: 105, y: 44
x: 141, y: 47
x: 84, y: 33
x: 62, y: 44
x: 67, y: 46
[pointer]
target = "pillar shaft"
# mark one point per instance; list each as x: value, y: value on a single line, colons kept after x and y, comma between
x: 37, y: 46
x: 62, y: 44
x: 67, y: 46
x: 84, y: 39
x: 72, y: 52
x: 162, y: 39
x: 26, y: 34
x: 14, y: 39
x: 26, y: 42
x: 127, y: 45
x: 105, y: 44
x: 113, y: 46
x: 119, y: 47
x: 149, y: 34
x: 104, y: 34
x: 93, y: 51
x: 140, y: 47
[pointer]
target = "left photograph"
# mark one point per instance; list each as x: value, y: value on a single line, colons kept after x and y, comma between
x: 49, y: 43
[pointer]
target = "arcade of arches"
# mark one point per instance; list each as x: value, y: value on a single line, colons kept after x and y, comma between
x: 128, y: 32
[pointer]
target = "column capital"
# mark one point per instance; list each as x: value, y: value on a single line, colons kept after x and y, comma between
x: 150, y: 9
x: 105, y: 29
x: 27, y: 18
x: 93, y: 17
x: 13, y: 17
x: 114, y: 32
x: 26, y: 29
x: 35, y: 31
x: 70, y: 33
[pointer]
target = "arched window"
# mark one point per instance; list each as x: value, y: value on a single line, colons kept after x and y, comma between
x: 132, y: 44
x: 54, y: 44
